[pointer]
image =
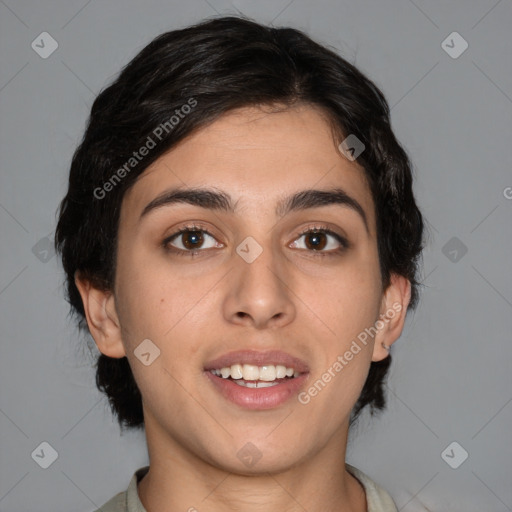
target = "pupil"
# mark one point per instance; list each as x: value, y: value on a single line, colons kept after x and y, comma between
x: 197, y: 239
x: 316, y: 242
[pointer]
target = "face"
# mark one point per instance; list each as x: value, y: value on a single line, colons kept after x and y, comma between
x: 258, y: 280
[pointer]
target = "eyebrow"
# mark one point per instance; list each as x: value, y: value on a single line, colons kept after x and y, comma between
x: 221, y: 201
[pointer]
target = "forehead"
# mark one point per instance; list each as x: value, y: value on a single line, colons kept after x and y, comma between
x: 257, y: 157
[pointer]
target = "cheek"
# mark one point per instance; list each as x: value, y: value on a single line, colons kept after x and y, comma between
x: 144, y: 299
x: 349, y: 301
x: 160, y: 304
x: 155, y: 309
x: 347, y: 310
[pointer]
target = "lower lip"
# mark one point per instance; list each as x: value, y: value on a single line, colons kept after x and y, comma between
x: 257, y: 398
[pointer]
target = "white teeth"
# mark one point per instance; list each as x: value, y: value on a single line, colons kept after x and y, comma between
x: 280, y: 371
x: 268, y: 373
x: 258, y: 384
x: 249, y: 372
x: 236, y: 371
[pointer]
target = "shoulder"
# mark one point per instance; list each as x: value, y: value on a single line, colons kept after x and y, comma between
x: 126, y: 501
x: 378, y: 499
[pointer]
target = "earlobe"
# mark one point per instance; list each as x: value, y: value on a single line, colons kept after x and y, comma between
x: 393, y: 311
x: 101, y: 315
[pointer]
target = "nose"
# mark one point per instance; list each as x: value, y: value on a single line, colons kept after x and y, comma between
x: 259, y: 293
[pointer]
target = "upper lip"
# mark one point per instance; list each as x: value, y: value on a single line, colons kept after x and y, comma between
x: 271, y: 357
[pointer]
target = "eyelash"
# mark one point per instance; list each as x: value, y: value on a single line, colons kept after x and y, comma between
x: 311, y: 229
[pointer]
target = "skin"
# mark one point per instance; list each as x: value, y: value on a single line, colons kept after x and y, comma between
x: 196, y: 309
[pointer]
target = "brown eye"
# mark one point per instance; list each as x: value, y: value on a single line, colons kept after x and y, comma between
x: 189, y: 241
x: 192, y: 239
x: 315, y: 241
x: 321, y: 241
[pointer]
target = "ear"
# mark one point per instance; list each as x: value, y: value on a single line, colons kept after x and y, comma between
x: 393, y: 310
x: 102, y: 319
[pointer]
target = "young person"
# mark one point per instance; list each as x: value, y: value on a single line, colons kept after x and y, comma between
x: 240, y: 238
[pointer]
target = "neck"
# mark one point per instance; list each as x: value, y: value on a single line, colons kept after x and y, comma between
x: 179, y: 480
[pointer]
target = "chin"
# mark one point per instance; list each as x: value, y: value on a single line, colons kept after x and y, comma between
x: 258, y: 457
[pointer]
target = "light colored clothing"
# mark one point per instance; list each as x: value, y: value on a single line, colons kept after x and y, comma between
x: 128, y: 501
x: 377, y: 498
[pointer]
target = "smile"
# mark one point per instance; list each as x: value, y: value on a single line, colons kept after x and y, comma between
x: 257, y: 386
x: 267, y: 373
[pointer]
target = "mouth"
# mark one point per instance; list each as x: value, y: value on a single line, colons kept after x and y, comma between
x: 257, y: 380
x: 252, y: 376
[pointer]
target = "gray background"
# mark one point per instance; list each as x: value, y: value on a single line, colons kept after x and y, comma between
x: 450, y: 380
